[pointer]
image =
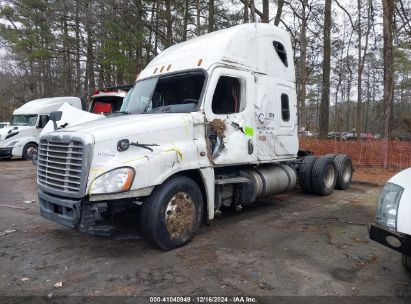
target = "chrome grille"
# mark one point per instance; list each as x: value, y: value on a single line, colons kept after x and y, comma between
x: 59, y: 165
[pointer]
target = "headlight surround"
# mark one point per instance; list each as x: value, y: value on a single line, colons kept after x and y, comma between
x: 116, y: 180
x: 388, y: 205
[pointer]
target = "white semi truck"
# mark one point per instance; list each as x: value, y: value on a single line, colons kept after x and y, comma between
x: 210, y: 123
x: 392, y: 226
x: 21, y: 137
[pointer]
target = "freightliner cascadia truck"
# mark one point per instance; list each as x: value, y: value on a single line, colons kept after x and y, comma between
x: 210, y: 123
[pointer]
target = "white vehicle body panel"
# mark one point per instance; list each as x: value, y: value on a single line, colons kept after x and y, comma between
x: 245, y: 46
x: 71, y: 116
x: 403, y: 179
x: 47, y: 105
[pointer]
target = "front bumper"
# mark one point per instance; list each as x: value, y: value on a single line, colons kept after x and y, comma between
x: 75, y: 213
x: 6, y: 152
x: 394, y: 240
x: 64, y: 211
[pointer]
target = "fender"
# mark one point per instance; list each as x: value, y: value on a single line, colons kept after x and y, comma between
x: 18, y: 147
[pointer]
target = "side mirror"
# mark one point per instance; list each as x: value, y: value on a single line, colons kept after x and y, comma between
x: 55, y: 116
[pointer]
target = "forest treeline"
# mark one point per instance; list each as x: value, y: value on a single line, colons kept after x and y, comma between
x: 353, y: 58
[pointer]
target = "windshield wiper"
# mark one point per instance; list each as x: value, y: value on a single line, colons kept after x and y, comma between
x: 144, y: 146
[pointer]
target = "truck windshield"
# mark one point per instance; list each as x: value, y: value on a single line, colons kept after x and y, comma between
x: 24, y: 120
x: 165, y: 94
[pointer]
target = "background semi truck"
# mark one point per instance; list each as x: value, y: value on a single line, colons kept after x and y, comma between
x: 210, y: 124
x: 21, y: 137
x: 4, y: 124
x: 109, y: 99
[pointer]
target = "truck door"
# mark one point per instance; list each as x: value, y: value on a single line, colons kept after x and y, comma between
x: 286, y: 139
x: 229, y: 130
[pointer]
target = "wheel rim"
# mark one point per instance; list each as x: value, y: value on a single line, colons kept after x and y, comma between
x: 329, y: 176
x: 347, y: 173
x: 179, y: 215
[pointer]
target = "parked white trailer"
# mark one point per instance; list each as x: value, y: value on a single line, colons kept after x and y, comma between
x: 392, y: 226
x: 20, y: 138
x: 210, y: 123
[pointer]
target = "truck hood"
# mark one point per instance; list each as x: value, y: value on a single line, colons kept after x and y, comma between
x: 129, y: 125
x: 5, y: 131
x: 402, y: 179
x: 71, y: 116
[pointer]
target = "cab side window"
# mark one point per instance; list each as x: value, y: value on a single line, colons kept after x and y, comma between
x: 280, y: 50
x: 227, y: 96
x: 285, y: 107
x: 44, y: 119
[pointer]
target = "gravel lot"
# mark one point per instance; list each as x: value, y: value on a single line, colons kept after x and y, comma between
x: 293, y: 244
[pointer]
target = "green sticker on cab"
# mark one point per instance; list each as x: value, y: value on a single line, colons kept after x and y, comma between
x: 249, y: 131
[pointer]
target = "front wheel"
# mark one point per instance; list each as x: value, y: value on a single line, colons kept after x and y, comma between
x: 406, y: 262
x: 172, y: 213
x: 29, y: 150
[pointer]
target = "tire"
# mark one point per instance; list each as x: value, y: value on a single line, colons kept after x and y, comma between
x: 323, y: 176
x: 28, y: 149
x: 406, y: 262
x: 161, y: 219
x: 330, y: 155
x: 304, y: 175
x: 345, y: 171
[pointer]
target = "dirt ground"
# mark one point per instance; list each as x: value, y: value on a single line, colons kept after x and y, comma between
x: 374, y: 175
x: 293, y: 244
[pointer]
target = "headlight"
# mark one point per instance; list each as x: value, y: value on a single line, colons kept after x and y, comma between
x: 388, y: 205
x: 117, y: 180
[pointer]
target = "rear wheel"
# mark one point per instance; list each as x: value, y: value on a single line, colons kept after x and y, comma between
x: 304, y: 174
x: 28, y: 150
x: 345, y: 170
x: 323, y: 176
x: 172, y: 213
x: 406, y: 262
